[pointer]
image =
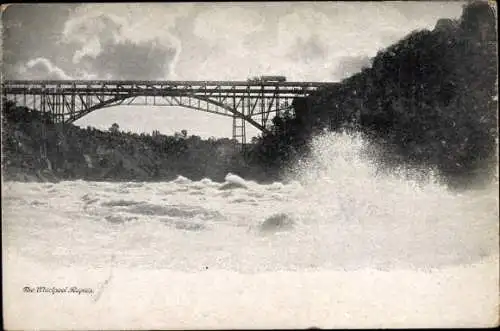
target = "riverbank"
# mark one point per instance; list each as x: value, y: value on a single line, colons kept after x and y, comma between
x: 37, y: 150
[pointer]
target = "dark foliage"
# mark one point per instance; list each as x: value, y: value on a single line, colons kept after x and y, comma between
x: 427, y: 100
x: 35, y: 148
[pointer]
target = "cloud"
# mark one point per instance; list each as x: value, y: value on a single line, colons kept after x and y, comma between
x: 302, y: 40
x: 41, y: 69
x: 91, y: 33
x: 308, y: 51
x: 223, y: 23
x: 234, y: 41
x: 349, y: 65
x: 111, y: 42
x: 128, y: 60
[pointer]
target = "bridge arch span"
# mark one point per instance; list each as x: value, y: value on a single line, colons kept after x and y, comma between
x: 192, y: 102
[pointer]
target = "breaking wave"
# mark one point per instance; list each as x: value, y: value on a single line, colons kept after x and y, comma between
x: 233, y: 182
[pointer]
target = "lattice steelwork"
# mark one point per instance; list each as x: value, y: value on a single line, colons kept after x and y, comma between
x: 252, y: 102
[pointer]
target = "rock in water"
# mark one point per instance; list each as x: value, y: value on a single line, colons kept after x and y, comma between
x: 277, y: 222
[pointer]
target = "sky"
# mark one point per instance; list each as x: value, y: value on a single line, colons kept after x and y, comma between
x: 304, y: 41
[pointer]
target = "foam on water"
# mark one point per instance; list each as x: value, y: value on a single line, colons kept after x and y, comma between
x: 181, y: 180
x: 398, y: 218
x: 233, y: 181
x: 337, y: 214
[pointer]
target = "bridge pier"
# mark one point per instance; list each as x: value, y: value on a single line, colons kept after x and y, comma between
x: 239, y: 129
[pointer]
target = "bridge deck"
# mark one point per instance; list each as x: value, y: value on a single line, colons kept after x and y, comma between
x: 164, y: 82
x: 163, y: 88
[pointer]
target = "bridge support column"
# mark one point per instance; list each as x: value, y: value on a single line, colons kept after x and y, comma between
x: 239, y: 132
x: 45, y: 114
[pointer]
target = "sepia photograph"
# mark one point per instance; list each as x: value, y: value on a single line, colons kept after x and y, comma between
x: 250, y: 165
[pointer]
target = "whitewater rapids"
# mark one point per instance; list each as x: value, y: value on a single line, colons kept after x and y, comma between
x: 341, y: 245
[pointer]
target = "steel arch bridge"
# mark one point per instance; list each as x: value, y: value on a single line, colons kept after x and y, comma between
x: 66, y: 101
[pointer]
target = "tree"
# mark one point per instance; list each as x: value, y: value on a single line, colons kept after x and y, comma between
x: 114, y: 128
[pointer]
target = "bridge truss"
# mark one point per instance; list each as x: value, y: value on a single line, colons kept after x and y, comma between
x: 255, y: 103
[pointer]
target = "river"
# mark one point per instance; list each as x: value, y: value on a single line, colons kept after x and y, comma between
x: 338, y: 245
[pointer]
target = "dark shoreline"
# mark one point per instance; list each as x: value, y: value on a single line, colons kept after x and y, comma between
x: 69, y: 152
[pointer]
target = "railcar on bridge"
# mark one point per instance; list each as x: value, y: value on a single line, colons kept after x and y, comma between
x: 265, y: 79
